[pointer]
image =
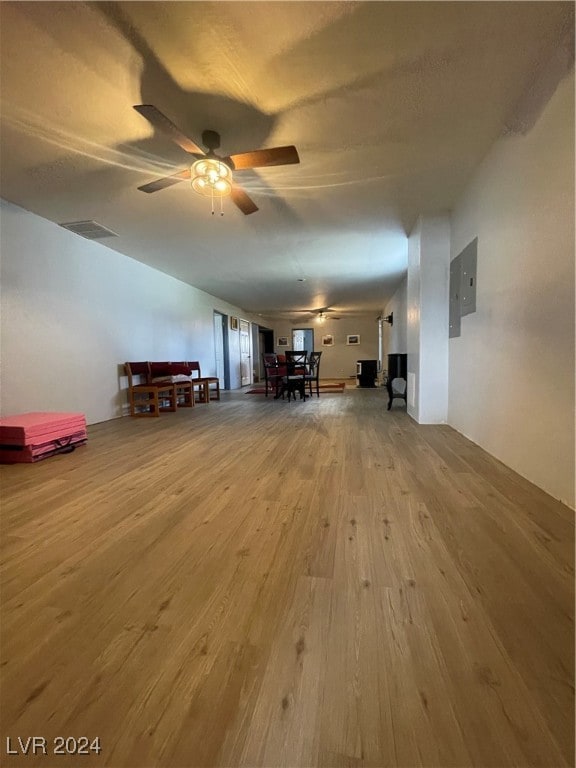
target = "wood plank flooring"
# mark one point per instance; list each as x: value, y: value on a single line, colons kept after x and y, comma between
x: 263, y: 583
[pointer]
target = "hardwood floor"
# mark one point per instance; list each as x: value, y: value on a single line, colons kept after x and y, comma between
x: 263, y: 583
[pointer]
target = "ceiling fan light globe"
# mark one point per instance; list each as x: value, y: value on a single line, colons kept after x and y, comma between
x: 200, y: 186
x: 211, y: 177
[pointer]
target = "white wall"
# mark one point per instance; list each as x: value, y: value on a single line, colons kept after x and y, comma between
x: 512, y: 369
x: 427, y: 317
x: 395, y: 336
x: 413, y: 320
x: 73, y: 311
x: 434, y: 310
x: 338, y: 361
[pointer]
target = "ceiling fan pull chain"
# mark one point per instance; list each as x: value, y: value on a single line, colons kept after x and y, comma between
x: 221, y: 207
x: 212, y: 199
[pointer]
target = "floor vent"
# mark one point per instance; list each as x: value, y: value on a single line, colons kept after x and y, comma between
x: 91, y: 230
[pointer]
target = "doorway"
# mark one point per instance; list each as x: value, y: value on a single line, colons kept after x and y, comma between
x: 221, y: 349
x: 265, y: 344
x: 245, y: 356
x: 303, y: 340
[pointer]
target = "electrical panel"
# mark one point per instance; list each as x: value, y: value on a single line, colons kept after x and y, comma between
x: 454, y: 312
x: 462, y: 286
x: 468, y: 278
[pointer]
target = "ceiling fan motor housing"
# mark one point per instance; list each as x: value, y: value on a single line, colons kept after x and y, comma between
x: 211, y: 139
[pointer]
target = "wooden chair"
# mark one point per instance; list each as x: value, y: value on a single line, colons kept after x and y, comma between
x: 272, y: 372
x: 295, y: 379
x: 184, y: 394
x: 208, y: 386
x: 313, y: 372
x: 145, y: 398
x: 177, y: 374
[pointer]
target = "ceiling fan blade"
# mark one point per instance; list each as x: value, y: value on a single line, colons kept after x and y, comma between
x: 166, y: 181
x: 316, y: 310
x: 264, y: 158
x: 160, y: 121
x: 241, y: 199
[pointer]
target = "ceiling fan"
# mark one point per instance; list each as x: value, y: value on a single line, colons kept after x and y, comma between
x: 319, y: 312
x: 211, y: 174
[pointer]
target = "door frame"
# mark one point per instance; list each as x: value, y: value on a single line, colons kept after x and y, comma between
x: 225, y: 351
x: 265, y: 335
x: 248, y: 325
x: 306, y: 330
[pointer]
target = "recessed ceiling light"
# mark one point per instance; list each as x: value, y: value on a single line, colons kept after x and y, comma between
x: 301, y: 279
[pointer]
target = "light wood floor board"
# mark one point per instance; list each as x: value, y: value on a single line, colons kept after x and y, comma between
x: 263, y: 583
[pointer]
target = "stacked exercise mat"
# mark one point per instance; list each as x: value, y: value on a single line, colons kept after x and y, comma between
x: 30, y: 437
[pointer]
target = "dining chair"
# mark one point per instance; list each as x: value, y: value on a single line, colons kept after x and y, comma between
x: 295, y: 379
x: 313, y: 372
x: 272, y: 376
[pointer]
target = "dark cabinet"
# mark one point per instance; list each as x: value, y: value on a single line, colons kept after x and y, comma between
x: 366, y: 372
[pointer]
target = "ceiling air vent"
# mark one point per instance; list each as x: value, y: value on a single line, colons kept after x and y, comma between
x: 91, y: 230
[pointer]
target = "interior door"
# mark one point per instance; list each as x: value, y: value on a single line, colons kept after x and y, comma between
x: 245, y: 356
x: 219, y: 320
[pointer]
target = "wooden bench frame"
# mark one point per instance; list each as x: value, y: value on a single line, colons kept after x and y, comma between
x: 156, y: 386
x: 146, y: 395
x: 184, y: 389
x: 208, y: 387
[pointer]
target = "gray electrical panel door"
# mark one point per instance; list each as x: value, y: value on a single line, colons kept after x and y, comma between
x: 462, y: 286
x: 468, y: 278
x: 454, y: 314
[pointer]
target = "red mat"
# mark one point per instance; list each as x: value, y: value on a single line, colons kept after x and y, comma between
x: 29, y: 437
x: 331, y: 387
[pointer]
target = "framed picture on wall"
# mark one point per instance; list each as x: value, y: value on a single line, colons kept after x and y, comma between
x: 234, y: 323
x: 328, y: 340
x: 353, y: 339
x: 282, y: 341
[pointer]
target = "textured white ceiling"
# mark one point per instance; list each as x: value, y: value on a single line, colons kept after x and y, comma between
x: 391, y: 106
